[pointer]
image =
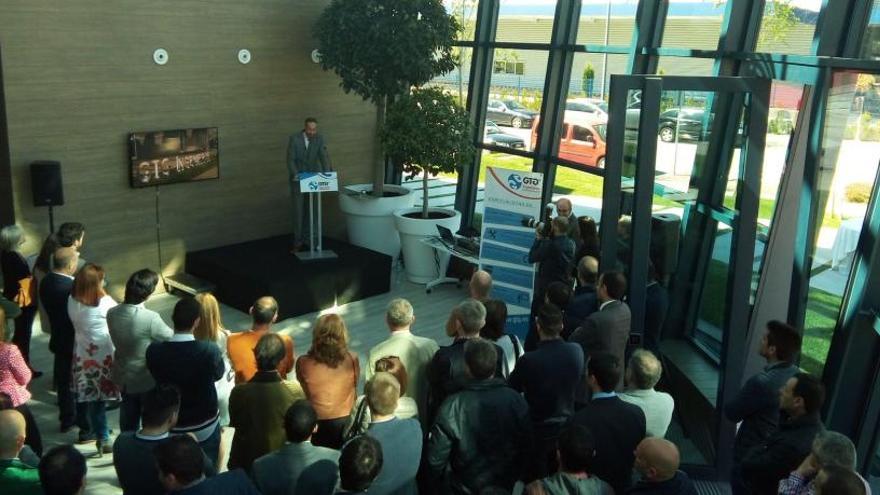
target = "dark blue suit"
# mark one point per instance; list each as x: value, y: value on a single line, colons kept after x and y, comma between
x: 233, y: 482
x: 54, y: 291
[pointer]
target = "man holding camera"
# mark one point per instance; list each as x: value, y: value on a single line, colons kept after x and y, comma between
x: 554, y: 251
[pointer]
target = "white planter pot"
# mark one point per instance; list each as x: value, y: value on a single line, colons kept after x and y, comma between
x: 370, y: 220
x: 421, y: 264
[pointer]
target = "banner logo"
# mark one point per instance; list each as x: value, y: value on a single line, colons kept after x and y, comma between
x: 514, y: 181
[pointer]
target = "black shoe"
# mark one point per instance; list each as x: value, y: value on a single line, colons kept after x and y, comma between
x: 103, y: 447
x: 83, y: 439
x: 36, y: 374
x: 66, y: 428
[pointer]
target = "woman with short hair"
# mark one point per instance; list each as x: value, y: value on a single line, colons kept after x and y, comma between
x: 329, y: 375
x: 496, y: 320
x: 406, y: 406
x: 93, y: 350
x: 18, y: 286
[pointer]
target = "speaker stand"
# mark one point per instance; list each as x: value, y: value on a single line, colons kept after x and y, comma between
x: 51, y: 219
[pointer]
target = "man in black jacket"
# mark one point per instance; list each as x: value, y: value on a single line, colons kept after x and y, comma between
x: 585, y: 301
x: 548, y: 378
x: 617, y: 426
x: 192, y: 366
x: 763, y: 466
x: 554, y: 255
x: 54, y: 291
x: 482, y: 435
x: 446, y: 370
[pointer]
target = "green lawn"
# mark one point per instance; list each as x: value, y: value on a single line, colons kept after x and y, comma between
x: 821, y: 317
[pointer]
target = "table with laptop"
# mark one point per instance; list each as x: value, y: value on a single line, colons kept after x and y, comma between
x: 447, y: 244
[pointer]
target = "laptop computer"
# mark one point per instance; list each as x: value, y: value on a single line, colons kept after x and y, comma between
x: 446, y: 235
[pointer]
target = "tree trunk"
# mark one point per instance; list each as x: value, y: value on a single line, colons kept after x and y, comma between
x: 378, y: 154
x: 424, y: 194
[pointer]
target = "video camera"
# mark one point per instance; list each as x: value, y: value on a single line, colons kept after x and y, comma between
x: 543, y: 225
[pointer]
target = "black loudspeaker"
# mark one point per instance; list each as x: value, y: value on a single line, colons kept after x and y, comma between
x: 46, y: 183
x: 665, y: 229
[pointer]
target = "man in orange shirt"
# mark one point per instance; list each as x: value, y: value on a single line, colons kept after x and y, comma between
x: 240, y: 346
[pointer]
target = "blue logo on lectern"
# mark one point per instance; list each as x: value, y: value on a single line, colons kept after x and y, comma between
x: 313, y: 186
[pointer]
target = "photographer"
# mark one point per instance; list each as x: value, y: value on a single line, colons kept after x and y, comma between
x: 554, y: 251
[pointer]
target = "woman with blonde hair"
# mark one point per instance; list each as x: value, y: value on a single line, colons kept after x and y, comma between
x: 93, y: 350
x: 14, y: 378
x: 329, y: 375
x: 210, y: 328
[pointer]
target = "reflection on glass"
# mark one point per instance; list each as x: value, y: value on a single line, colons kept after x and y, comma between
x: 525, y: 22
x: 465, y: 11
x: 605, y: 22
x: 788, y: 26
x: 457, y: 81
x: 695, y: 25
x: 684, y: 66
x: 713, y: 298
x: 871, y: 41
x: 516, y: 88
x: 850, y: 153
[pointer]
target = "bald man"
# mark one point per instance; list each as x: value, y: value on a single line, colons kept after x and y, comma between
x: 657, y: 460
x: 564, y: 209
x: 481, y: 285
x: 240, y: 346
x: 585, y: 301
x: 15, y: 476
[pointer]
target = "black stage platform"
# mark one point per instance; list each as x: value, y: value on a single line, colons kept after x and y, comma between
x: 243, y: 272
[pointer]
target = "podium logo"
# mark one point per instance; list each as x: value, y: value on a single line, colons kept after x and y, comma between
x: 313, y: 186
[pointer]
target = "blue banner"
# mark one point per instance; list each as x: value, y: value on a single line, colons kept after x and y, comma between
x: 512, y: 276
x: 521, y: 238
x: 503, y: 217
x: 497, y: 252
x: 513, y: 297
x: 518, y: 325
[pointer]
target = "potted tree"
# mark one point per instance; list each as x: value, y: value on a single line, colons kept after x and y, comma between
x: 380, y: 49
x: 427, y: 132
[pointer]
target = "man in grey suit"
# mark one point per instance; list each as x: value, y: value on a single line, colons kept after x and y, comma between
x: 606, y: 330
x: 298, y: 466
x: 132, y: 329
x: 306, y: 152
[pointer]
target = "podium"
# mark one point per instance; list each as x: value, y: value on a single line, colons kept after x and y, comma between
x: 313, y: 184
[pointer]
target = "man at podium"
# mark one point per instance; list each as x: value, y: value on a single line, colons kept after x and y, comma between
x: 306, y: 152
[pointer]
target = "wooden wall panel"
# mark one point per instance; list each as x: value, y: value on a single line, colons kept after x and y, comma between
x: 79, y: 77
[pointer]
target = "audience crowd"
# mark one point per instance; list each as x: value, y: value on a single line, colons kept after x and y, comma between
x: 574, y: 410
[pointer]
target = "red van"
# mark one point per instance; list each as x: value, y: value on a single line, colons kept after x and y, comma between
x: 582, y: 141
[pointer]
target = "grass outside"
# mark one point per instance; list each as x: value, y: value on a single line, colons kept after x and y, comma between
x: 823, y: 309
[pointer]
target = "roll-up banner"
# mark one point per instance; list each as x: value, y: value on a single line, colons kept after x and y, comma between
x: 511, y: 198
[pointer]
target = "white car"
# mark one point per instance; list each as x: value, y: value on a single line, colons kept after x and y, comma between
x: 588, y: 107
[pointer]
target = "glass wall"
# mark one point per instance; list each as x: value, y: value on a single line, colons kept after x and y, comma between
x: 851, y: 152
x: 788, y: 26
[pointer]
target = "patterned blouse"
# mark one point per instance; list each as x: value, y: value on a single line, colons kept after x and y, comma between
x: 14, y: 374
x: 93, y: 351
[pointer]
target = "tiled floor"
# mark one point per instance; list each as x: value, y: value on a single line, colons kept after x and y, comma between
x: 365, y: 320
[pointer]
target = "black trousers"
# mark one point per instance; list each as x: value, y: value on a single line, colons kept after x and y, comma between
x: 22, y: 336
x: 62, y: 376
x: 32, y: 433
x: 329, y: 433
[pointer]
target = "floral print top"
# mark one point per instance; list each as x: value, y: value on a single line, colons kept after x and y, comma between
x: 92, y: 352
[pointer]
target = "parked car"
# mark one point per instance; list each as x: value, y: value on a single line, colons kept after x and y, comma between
x: 494, y: 135
x: 687, y: 122
x: 588, y: 107
x: 583, y: 139
x: 510, y: 112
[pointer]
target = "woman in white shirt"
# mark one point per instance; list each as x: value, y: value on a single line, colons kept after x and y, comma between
x: 496, y: 318
x: 93, y: 350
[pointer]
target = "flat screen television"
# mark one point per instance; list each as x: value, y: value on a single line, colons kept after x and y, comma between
x: 168, y: 157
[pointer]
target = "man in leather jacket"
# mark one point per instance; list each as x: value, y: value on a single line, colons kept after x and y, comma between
x: 482, y: 436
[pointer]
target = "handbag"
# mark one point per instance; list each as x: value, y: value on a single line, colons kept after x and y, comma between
x: 357, y: 422
x: 25, y: 296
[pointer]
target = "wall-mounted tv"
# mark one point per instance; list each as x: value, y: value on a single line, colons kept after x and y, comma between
x: 168, y: 157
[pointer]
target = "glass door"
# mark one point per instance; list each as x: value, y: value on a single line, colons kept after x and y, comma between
x: 681, y: 203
